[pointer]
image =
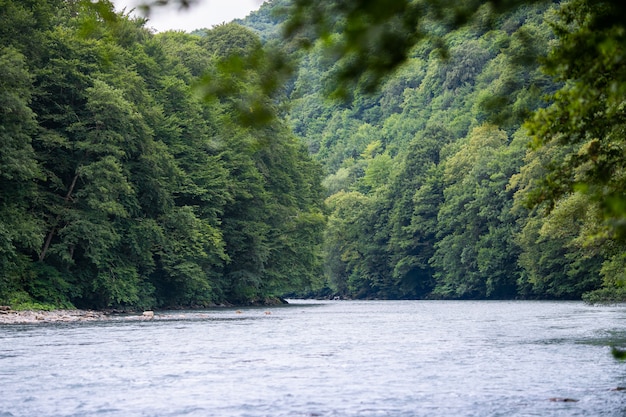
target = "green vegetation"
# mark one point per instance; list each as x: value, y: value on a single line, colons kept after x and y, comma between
x: 121, y: 187
x: 478, y: 148
x: 470, y: 152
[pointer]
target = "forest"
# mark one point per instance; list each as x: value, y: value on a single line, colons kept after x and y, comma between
x: 419, y: 150
x: 122, y: 187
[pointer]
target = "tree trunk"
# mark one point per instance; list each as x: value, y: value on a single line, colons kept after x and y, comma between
x: 48, y: 241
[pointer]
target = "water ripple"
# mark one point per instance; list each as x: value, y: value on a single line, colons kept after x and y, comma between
x: 327, y: 359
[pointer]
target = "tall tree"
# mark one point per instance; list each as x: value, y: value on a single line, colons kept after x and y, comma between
x: 474, y: 254
x: 20, y: 229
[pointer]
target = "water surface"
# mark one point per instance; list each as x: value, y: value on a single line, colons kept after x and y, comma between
x: 340, y: 358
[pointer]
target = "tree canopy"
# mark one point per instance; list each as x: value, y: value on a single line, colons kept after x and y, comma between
x: 426, y: 89
x: 473, y: 150
x: 121, y: 188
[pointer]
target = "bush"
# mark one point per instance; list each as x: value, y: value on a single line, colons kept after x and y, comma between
x: 607, y: 295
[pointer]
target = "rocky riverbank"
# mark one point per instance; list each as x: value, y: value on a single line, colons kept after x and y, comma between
x: 8, y: 316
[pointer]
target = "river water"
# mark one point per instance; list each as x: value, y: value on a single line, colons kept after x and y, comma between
x: 339, y: 358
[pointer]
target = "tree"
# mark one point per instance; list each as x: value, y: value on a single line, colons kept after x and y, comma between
x: 416, y: 193
x: 355, y: 258
x: 373, y: 38
x: 120, y: 187
x: 116, y: 153
x: 475, y: 256
x: 582, y: 132
x: 586, y: 116
x: 20, y: 229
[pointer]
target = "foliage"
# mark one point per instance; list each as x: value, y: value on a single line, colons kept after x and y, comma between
x: 176, y: 169
x: 587, y: 114
x: 428, y: 152
x: 121, y: 187
x: 369, y: 39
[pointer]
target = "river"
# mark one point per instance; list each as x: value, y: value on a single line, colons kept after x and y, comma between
x: 324, y: 358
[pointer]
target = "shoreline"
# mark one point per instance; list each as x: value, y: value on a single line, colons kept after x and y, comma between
x: 8, y: 317
x: 16, y: 317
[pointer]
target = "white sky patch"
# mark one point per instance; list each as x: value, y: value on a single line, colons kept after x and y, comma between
x: 203, y: 14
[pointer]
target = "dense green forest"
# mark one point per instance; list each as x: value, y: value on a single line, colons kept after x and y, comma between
x: 476, y: 151
x: 472, y: 155
x: 121, y: 186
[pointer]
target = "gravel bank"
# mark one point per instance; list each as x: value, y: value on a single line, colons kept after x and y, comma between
x: 8, y: 316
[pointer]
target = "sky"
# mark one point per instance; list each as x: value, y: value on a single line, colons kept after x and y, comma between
x: 204, y: 14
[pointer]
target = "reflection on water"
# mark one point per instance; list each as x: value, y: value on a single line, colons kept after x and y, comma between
x: 357, y: 358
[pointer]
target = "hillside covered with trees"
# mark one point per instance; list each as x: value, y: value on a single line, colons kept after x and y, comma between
x: 120, y: 186
x: 476, y: 150
x: 369, y: 153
